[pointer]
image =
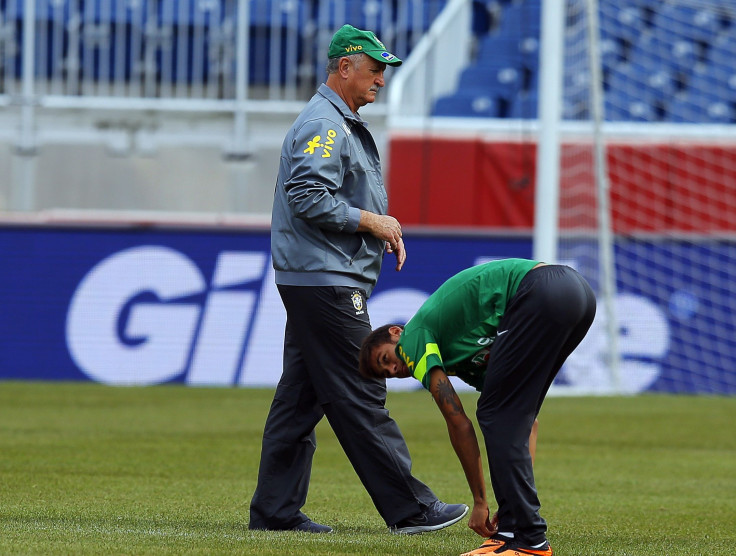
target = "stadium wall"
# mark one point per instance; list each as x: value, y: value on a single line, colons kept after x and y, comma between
x: 145, y: 304
x: 497, y: 179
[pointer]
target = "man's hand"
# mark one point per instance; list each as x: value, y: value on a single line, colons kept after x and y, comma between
x: 382, y: 226
x: 399, y: 251
x: 388, y: 229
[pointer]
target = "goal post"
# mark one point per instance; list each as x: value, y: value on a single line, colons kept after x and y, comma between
x: 644, y: 204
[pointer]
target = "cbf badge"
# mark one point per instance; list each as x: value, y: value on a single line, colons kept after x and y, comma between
x: 357, y: 299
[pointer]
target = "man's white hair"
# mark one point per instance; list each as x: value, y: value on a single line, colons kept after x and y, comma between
x: 333, y: 63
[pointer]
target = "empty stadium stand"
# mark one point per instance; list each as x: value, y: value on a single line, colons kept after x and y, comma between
x: 153, y: 44
x: 658, y: 58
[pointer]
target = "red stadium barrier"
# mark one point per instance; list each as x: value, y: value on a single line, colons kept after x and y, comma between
x: 472, y: 182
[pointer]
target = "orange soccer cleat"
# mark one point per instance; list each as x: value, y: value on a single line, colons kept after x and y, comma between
x: 489, y: 546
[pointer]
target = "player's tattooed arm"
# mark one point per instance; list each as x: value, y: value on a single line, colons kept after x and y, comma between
x: 465, y: 444
x: 447, y: 397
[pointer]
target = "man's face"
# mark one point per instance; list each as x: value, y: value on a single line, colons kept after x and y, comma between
x: 386, y: 363
x: 366, y: 78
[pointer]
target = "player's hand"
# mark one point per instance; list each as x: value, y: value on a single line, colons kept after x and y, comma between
x: 494, y: 523
x: 399, y: 250
x: 480, y: 520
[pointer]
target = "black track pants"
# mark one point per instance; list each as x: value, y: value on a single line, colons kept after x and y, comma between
x: 545, y: 321
x: 325, y: 327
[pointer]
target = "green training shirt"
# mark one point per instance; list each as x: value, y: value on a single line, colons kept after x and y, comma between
x: 455, y: 328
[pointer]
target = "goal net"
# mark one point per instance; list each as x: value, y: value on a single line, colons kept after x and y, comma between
x: 668, y: 137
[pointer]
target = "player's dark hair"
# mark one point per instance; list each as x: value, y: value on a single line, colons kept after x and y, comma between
x: 378, y: 337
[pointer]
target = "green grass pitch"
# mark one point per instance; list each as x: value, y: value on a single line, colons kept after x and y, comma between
x: 92, y: 469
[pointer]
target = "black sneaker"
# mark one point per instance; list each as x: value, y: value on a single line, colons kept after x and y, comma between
x: 310, y: 526
x: 437, y: 516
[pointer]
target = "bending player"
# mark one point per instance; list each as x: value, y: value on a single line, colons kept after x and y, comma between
x: 504, y: 327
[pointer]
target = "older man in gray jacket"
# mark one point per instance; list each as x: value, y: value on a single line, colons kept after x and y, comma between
x: 329, y: 232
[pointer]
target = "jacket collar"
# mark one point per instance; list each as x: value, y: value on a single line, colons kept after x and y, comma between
x: 340, y: 104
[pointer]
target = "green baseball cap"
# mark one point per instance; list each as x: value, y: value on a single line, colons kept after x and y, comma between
x: 348, y: 40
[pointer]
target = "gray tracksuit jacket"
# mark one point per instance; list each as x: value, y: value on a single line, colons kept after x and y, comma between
x: 329, y: 170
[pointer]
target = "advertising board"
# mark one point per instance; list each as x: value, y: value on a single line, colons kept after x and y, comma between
x: 148, y: 306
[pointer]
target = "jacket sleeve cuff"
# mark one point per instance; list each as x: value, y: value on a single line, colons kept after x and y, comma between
x: 351, y: 226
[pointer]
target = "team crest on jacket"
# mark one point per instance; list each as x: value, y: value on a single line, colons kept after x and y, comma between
x: 357, y: 299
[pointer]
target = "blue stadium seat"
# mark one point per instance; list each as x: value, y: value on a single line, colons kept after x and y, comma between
x: 159, y: 40
x: 625, y: 23
x: 690, y: 107
x: 723, y: 48
x: 105, y: 28
x: 364, y: 14
x: 10, y: 38
x: 62, y: 53
x: 649, y: 82
x: 498, y: 80
x: 187, y: 12
x: 411, y: 12
x: 576, y: 85
x: 280, y: 22
x: 511, y: 49
x: 211, y: 23
x: 575, y: 109
x: 518, y: 32
x: 611, y: 52
x: 524, y: 106
x: 611, y: 48
x: 102, y: 10
x: 626, y: 108
x: 517, y: 51
x: 281, y: 13
x: 522, y: 18
x: 714, y: 81
x: 698, y: 23
x: 188, y: 32
x: 659, y: 48
x: 466, y: 104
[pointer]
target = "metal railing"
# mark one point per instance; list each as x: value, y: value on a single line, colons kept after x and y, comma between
x: 136, y: 75
x: 433, y: 70
x: 64, y: 52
